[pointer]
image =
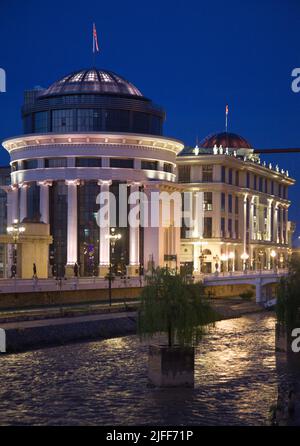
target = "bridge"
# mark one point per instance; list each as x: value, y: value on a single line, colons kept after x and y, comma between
x: 259, y: 279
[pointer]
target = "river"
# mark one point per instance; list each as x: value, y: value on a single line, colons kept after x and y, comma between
x: 105, y: 382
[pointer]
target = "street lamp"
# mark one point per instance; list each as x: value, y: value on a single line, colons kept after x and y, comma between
x: 273, y: 255
x: 15, y: 230
x: 244, y: 257
x: 224, y: 258
x: 113, y: 238
x: 260, y: 256
x: 231, y: 257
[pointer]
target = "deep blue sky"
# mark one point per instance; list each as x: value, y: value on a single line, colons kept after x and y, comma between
x: 192, y: 57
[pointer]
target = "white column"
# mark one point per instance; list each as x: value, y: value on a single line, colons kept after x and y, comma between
x: 269, y: 218
x: 44, y: 200
x: 72, y: 223
x: 134, y: 233
x: 104, y: 251
x: 281, y: 225
x: 12, y: 214
x: 23, y: 201
x: 12, y: 203
x: 276, y: 223
x: 251, y: 220
x: 245, y: 224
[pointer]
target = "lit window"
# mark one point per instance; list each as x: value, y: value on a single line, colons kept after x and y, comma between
x: 91, y: 76
x: 104, y: 77
x: 77, y: 77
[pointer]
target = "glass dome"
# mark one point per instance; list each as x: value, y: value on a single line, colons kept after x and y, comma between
x: 92, y: 81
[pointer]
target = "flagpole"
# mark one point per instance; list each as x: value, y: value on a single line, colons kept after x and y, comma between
x: 226, y: 118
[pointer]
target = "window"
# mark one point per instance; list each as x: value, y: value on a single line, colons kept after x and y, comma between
x: 168, y: 167
x: 63, y: 121
x: 272, y: 187
x: 56, y: 162
x: 230, y: 176
x: 149, y: 165
x: 222, y: 201
x: 33, y: 202
x: 122, y: 163
x: 237, y: 178
x: 236, y: 208
x: 117, y: 120
x: 260, y: 184
x: 237, y: 235
x: 184, y: 174
x: 266, y: 186
x: 156, y: 125
x: 230, y: 203
x: 230, y: 228
x: 279, y: 190
x: 248, y: 180
x: 284, y: 192
x: 89, y: 120
x: 208, y: 201
x: 41, y: 122
x: 207, y: 173
x: 223, y: 174
x: 30, y: 164
x: 140, y: 122
x: 222, y: 227
x: 88, y: 162
x: 207, y: 232
x: 255, y: 182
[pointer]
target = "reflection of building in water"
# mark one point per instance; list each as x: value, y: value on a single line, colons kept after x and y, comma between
x: 92, y: 131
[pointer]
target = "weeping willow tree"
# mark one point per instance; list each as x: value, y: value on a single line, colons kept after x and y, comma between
x: 288, y: 297
x: 171, y: 306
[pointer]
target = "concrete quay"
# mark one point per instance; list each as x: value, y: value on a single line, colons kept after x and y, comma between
x: 24, y: 335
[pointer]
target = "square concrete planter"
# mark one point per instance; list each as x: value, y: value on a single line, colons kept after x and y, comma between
x: 171, y: 366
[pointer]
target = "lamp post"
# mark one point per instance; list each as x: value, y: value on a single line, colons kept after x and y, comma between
x: 231, y: 258
x: 15, y: 230
x: 224, y: 258
x: 260, y: 256
x: 113, y: 238
x: 244, y: 257
x: 273, y: 255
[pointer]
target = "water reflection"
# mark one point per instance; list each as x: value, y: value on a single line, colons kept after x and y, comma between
x: 106, y: 382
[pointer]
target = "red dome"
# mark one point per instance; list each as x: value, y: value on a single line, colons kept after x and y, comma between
x: 230, y: 140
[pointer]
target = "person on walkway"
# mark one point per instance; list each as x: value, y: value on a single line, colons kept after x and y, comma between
x: 13, y: 270
x: 34, y: 270
x: 54, y: 271
x: 76, y: 269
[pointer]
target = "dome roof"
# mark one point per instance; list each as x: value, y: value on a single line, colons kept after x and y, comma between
x: 93, y: 80
x: 230, y: 140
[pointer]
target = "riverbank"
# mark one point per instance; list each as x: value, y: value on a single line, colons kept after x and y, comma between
x: 33, y: 328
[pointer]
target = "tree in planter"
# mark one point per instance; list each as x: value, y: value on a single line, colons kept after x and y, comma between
x: 288, y: 305
x: 171, y: 306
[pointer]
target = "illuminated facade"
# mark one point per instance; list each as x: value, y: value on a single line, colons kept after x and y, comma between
x: 88, y: 133
x: 93, y: 131
x: 246, y: 205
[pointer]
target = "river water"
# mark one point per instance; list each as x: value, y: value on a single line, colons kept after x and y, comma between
x: 105, y: 382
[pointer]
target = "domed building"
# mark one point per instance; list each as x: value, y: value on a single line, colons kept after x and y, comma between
x: 245, y: 202
x: 91, y: 131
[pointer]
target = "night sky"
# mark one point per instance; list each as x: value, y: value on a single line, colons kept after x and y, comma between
x: 191, y: 57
